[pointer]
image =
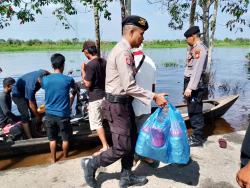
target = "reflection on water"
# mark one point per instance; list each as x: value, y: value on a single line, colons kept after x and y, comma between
x: 83, y: 149
x: 247, y: 65
x: 229, y: 66
x: 220, y: 126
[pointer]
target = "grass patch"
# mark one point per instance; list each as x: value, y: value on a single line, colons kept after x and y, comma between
x: 12, y: 45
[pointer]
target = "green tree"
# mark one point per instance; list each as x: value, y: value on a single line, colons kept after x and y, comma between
x: 180, y: 11
x: 98, y: 6
x: 205, y: 11
x: 125, y: 8
x: 26, y: 11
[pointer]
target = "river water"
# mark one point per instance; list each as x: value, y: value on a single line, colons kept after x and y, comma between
x: 231, y: 76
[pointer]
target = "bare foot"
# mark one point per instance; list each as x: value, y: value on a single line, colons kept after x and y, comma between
x: 53, y: 160
x: 60, y: 156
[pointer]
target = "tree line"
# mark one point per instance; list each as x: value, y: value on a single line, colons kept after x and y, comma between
x: 180, y: 11
x: 151, y: 44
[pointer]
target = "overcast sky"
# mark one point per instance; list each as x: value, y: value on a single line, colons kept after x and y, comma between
x: 48, y: 27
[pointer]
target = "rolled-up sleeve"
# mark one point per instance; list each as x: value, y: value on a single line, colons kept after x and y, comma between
x: 124, y: 62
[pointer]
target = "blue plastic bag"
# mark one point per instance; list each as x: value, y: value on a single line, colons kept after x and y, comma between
x: 178, y: 150
x: 163, y: 137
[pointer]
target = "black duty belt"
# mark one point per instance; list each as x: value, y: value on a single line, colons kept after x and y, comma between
x: 118, y: 98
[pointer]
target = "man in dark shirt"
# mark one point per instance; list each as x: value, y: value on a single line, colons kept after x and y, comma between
x: 23, y: 94
x: 94, y: 80
x: 6, y: 116
x: 57, y: 105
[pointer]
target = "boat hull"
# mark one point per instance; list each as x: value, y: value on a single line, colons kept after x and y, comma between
x: 211, y: 109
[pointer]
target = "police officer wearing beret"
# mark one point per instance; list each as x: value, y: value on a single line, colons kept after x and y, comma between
x: 121, y: 88
x: 194, y: 83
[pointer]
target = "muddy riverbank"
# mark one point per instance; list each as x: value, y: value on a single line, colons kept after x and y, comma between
x: 217, y: 127
x: 211, y: 166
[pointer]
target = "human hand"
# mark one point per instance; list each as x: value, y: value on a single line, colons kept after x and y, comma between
x: 243, y: 177
x: 41, y: 109
x: 160, y: 100
x: 187, y: 92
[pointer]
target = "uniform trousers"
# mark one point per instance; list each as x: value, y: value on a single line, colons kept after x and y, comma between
x: 195, y: 106
x: 121, y: 119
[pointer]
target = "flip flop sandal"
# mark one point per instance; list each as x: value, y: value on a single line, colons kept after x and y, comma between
x: 222, y: 143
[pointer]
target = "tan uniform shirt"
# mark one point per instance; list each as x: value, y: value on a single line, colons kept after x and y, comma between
x: 120, y: 74
x: 196, y: 64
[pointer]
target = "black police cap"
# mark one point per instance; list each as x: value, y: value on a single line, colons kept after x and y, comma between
x: 191, y: 31
x: 136, y: 21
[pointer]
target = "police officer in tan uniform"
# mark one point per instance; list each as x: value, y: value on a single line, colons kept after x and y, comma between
x: 121, y: 88
x: 194, y: 83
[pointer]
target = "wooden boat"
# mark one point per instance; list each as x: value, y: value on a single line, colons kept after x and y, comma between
x: 213, y: 108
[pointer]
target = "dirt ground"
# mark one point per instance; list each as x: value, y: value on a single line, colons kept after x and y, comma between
x: 210, y: 167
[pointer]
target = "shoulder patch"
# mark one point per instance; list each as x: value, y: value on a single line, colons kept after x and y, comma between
x: 197, y: 53
x: 129, y: 60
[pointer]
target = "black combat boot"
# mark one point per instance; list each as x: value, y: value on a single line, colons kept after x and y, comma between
x: 89, y: 167
x: 129, y: 179
x: 194, y: 142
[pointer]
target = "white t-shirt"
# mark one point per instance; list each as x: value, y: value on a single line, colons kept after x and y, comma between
x: 145, y: 78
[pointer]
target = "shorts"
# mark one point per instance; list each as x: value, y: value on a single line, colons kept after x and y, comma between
x: 95, y: 114
x: 140, y: 120
x: 23, y: 108
x: 57, y: 125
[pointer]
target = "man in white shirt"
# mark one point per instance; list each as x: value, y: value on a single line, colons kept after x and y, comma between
x: 145, y: 78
